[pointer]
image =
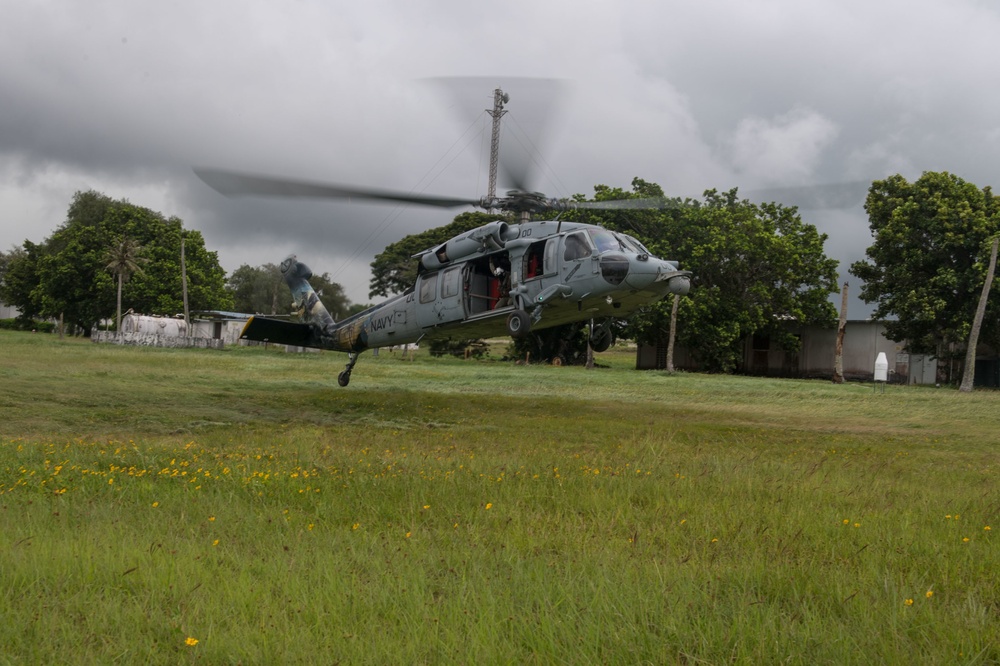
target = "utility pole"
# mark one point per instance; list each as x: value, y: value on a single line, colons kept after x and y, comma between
x: 673, y: 334
x: 838, y: 349
x: 184, y: 288
x: 499, y: 99
x: 969, y: 371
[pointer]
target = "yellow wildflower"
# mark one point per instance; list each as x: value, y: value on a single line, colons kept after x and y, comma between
x: 930, y: 593
x: 190, y: 641
x: 489, y: 505
x: 908, y: 602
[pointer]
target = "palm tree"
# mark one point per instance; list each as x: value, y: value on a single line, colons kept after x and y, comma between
x: 124, y: 259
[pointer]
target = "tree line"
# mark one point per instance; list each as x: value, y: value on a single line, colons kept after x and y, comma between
x: 107, y: 246
x: 755, y: 267
x: 758, y: 266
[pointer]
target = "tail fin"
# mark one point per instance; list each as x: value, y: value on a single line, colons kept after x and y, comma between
x: 311, y: 309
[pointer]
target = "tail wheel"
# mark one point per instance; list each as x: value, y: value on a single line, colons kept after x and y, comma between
x: 518, y: 324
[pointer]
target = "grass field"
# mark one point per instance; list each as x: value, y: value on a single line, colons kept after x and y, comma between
x: 165, y: 506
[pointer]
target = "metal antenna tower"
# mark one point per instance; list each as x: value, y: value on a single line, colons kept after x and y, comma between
x: 499, y: 99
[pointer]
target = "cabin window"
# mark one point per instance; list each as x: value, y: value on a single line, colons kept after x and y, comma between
x: 449, y: 282
x: 428, y: 288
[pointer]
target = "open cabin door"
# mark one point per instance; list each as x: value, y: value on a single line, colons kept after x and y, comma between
x: 488, y: 284
x: 540, y: 264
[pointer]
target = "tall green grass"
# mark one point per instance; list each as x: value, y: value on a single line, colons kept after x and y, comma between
x: 239, y: 507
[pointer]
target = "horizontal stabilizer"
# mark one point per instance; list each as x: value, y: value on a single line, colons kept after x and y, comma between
x: 279, y: 332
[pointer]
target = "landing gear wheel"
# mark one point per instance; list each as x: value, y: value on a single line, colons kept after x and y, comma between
x: 602, y: 335
x: 602, y: 341
x: 518, y: 324
x: 344, y: 378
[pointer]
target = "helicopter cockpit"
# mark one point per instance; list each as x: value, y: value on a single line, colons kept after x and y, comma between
x: 610, y: 241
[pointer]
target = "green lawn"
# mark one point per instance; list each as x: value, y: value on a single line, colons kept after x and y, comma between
x: 239, y: 507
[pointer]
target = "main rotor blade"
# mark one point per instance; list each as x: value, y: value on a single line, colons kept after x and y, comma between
x: 644, y: 203
x: 233, y: 184
x: 831, y: 196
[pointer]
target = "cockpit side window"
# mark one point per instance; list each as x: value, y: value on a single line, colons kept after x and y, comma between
x: 576, y: 247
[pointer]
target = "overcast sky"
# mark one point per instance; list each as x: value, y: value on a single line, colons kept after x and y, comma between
x: 125, y: 96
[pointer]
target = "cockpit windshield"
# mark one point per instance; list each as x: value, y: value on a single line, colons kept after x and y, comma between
x: 635, y: 244
x: 605, y: 240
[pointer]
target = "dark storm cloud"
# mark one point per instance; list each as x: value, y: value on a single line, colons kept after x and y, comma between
x: 125, y: 97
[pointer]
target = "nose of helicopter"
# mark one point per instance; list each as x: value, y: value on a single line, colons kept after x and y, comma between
x: 652, y: 274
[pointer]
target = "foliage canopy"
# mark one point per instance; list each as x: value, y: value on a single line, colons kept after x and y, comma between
x: 262, y: 289
x: 926, y: 265
x: 755, y: 266
x: 67, y: 273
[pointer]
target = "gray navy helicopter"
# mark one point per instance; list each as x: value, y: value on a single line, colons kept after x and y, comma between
x: 498, y: 279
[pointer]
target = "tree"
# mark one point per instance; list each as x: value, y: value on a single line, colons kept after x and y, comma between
x: 5, y: 258
x: 262, y: 289
x: 123, y: 260
x: 333, y: 296
x: 926, y: 265
x: 257, y: 289
x: 19, y: 280
x: 755, y: 267
x: 67, y: 272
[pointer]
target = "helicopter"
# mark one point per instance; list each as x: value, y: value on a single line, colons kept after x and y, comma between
x: 499, y: 279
